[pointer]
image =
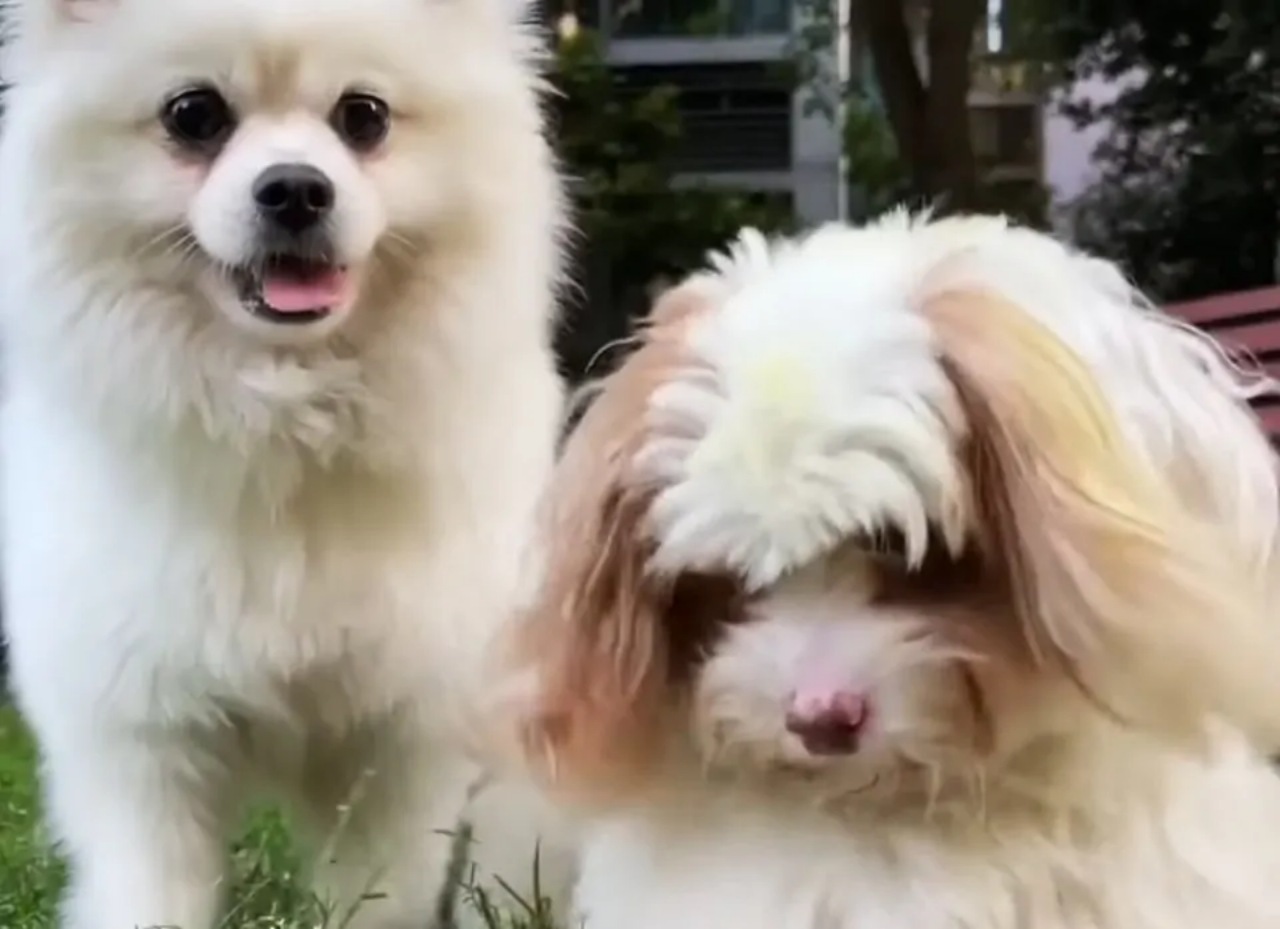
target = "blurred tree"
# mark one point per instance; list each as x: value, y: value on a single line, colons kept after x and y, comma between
x: 922, y: 55
x: 635, y: 226
x: 1189, y: 191
x: 878, y: 177
x: 908, y: 128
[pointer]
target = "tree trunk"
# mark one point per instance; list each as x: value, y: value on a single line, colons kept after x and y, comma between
x: 952, y: 25
x: 929, y: 117
x: 883, y: 23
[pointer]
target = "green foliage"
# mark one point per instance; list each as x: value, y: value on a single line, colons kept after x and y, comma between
x: 1189, y: 192
x: 504, y: 907
x: 877, y: 175
x: 636, y: 226
x: 31, y: 877
x: 269, y: 889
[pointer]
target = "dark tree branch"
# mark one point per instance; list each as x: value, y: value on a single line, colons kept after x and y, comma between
x: 889, y: 41
x: 929, y: 118
x: 949, y: 43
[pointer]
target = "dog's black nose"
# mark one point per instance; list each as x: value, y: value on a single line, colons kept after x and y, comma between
x: 293, y: 197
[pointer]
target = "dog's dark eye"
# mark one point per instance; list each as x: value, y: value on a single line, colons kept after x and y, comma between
x: 361, y: 120
x: 199, y: 119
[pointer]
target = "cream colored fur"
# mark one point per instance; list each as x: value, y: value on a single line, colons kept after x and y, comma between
x: 968, y: 477
x: 1135, y: 840
x: 244, y: 559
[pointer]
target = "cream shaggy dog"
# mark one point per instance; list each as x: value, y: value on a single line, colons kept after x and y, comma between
x: 277, y: 290
x: 915, y: 575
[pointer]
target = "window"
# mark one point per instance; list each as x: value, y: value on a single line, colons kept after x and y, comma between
x: 993, y: 41
x: 686, y: 18
x: 1006, y: 135
x: 736, y: 117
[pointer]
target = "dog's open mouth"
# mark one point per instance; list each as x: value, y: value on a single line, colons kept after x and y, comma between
x: 291, y: 290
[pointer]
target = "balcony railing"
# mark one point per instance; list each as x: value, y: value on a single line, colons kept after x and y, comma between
x: 735, y: 117
x: 639, y: 19
x: 741, y: 141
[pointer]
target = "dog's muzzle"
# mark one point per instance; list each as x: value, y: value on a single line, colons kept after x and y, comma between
x: 295, y: 277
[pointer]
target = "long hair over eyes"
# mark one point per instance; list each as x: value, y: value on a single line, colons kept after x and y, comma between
x: 607, y: 640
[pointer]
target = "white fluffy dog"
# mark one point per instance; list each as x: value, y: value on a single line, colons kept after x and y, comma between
x: 277, y: 290
x: 916, y: 575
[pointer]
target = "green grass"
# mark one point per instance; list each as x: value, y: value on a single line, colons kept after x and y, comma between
x: 267, y: 892
x: 30, y: 875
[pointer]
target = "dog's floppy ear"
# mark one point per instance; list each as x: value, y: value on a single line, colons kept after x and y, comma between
x: 1116, y: 583
x: 604, y: 638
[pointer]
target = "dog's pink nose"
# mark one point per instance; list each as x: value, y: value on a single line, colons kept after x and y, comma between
x: 827, y: 722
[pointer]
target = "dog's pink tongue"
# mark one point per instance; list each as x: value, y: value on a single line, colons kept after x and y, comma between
x: 299, y: 292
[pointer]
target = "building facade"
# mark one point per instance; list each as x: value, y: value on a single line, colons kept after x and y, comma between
x: 747, y: 125
x: 744, y: 126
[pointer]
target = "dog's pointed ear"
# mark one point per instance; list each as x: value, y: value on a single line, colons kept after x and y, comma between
x: 32, y: 29
x: 517, y: 11
x: 53, y: 13
x: 83, y: 10
x: 604, y: 641
x: 1116, y: 582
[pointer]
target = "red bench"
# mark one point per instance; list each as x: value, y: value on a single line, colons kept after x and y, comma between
x: 1246, y: 321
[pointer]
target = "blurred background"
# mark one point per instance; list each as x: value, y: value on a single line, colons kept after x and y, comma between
x: 1145, y: 131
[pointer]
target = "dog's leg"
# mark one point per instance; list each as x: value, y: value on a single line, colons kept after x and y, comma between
x: 385, y: 806
x: 522, y: 856
x: 143, y: 822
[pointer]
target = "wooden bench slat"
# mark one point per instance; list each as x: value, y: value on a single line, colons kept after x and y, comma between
x: 1269, y: 418
x: 1221, y: 307
x: 1253, y: 337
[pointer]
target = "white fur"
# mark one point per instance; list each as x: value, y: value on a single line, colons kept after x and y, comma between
x: 1170, y: 845
x: 777, y: 465
x: 815, y: 406
x: 237, y: 557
